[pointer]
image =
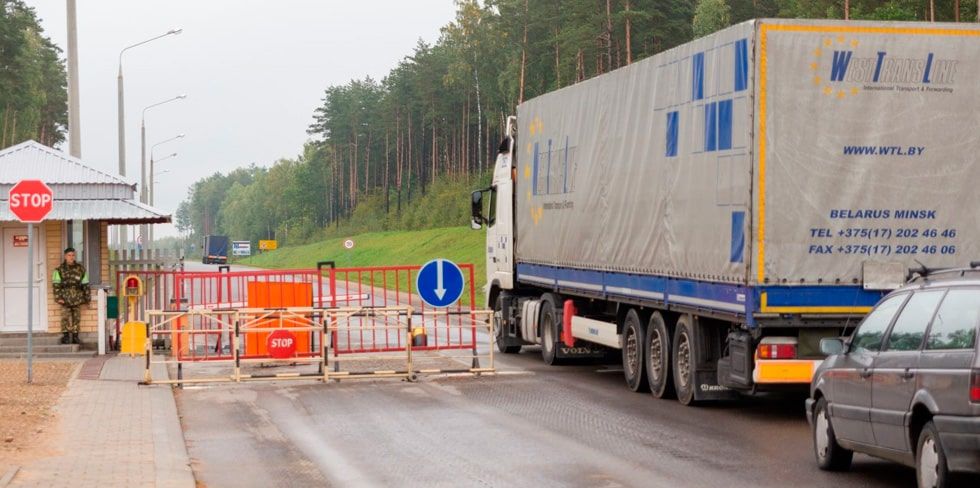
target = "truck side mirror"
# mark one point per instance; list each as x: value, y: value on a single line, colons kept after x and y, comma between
x: 476, y: 209
x: 831, y: 346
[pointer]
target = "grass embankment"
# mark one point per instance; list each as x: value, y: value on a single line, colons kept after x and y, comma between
x: 458, y: 244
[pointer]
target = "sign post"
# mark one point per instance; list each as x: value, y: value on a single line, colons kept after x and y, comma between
x: 30, y: 201
x: 30, y: 302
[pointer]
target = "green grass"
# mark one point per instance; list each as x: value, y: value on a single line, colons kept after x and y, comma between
x: 458, y: 244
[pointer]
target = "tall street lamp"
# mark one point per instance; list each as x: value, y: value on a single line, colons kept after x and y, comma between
x: 153, y: 192
x: 144, y: 196
x: 152, y: 188
x: 122, y: 117
x: 144, y: 190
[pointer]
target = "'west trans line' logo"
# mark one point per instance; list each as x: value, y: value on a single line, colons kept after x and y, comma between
x: 841, y: 69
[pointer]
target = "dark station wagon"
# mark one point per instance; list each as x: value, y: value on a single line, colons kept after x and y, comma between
x: 906, y: 385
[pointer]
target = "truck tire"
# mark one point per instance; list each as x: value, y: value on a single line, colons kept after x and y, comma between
x: 684, y: 358
x: 504, y: 342
x: 658, y: 357
x: 830, y: 455
x: 550, y: 322
x: 634, y: 348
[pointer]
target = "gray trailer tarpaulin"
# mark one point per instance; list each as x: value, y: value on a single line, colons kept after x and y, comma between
x: 809, y: 146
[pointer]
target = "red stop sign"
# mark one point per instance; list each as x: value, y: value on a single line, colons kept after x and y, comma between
x: 281, y: 344
x: 30, y: 201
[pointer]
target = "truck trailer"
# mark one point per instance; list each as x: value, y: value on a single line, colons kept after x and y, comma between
x: 215, y: 250
x: 711, y: 212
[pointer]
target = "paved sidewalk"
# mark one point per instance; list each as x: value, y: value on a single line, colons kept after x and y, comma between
x: 114, y: 432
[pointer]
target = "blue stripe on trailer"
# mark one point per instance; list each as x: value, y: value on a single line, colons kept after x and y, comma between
x: 715, y: 296
x: 820, y: 296
x: 730, y: 298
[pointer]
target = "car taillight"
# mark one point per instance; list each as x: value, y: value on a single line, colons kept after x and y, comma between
x: 975, y: 386
x: 777, y: 351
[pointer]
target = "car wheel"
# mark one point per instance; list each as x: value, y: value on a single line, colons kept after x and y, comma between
x: 658, y: 357
x: 633, y: 352
x: 930, y: 460
x: 549, y: 323
x: 500, y: 337
x: 830, y: 455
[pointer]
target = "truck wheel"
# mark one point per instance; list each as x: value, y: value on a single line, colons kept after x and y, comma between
x: 684, y: 359
x: 549, y: 323
x: 658, y: 357
x: 931, y: 469
x: 500, y: 335
x: 634, y: 352
x: 830, y: 455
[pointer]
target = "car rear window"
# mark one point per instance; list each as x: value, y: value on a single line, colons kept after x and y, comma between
x: 955, y: 325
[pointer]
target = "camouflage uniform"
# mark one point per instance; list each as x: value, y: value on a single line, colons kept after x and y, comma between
x: 71, y: 286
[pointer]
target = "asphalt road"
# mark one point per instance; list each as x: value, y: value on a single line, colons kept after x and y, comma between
x: 532, y: 425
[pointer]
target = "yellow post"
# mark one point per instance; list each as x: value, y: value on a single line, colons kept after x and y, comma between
x: 134, y: 333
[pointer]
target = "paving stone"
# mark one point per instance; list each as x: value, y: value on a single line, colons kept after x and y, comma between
x: 115, y: 433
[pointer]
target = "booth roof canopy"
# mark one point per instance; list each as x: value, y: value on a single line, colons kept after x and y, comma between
x: 33, y: 161
x: 113, y: 211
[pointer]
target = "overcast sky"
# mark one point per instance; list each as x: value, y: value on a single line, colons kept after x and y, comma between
x: 253, y: 72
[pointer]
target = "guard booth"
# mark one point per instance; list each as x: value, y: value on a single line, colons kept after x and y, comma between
x: 86, y: 202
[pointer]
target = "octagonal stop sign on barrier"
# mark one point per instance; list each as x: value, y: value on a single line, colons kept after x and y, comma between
x: 31, y: 201
x: 281, y: 344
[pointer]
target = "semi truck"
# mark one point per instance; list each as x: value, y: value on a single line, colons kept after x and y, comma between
x: 708, y: 214
x: 215, y: 250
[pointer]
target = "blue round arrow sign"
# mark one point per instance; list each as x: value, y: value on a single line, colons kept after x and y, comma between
x: 439, y: 283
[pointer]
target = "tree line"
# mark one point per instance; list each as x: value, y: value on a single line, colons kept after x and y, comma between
x: 428, y: 130
x: 33, y: 83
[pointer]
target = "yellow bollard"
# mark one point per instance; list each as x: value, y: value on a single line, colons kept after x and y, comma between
x: 133, y: 338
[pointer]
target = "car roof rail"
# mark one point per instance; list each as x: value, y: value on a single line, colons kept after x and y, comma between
x: 924, y: 273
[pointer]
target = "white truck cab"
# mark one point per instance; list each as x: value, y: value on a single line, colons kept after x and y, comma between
x: 499, y: 217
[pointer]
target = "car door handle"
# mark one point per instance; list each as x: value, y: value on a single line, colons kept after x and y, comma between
x: 908, y: 374
x: 865, y: 373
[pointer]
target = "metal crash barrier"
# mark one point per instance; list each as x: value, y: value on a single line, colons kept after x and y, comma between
x: 239, y: 344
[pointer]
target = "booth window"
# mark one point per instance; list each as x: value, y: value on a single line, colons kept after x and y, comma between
x: 83, y: 235
x: 75, y: 231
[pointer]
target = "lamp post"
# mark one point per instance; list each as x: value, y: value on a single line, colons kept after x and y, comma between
x: 122, y: 119
x: 144, y: 191
x: 152, y: 191
x: 153, y: 184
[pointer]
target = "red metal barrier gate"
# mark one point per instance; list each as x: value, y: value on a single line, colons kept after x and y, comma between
x: 208, y: 337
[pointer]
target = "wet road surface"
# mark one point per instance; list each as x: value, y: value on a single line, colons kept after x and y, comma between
x: 532, y: 426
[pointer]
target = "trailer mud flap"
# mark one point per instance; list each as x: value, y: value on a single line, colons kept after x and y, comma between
x: 707, y: 387
x: 735, y: 370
